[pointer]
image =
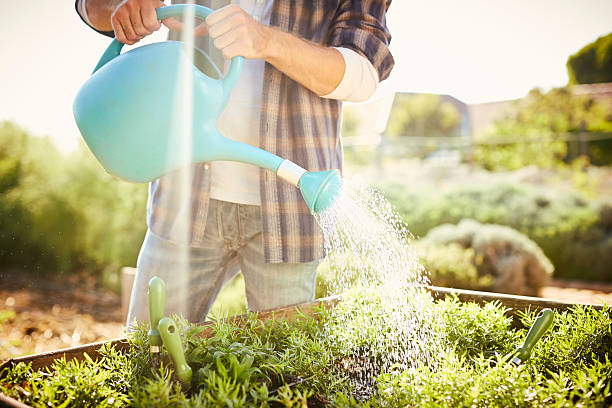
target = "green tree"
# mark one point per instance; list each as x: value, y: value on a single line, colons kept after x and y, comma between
x: 538, y: 129
x: 422, y: 115
x: 593, y: 63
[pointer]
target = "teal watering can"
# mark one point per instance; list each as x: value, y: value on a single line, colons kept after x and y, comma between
x: 124, y: 113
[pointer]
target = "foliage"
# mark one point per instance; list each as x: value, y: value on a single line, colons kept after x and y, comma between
x: 39, y: 226
x: 493, y: 383
x: 62, y: 213
x: 578, y: 337
x: 473, y: 330
x: 422, y: 115
x: 538, y: 127
x: 570, y: 365
x: 593, y: 63
x: 514, y: 262
x: 350, y: 122
x: 250, y: 363
x: 453, y: 266
x: 574, y: 234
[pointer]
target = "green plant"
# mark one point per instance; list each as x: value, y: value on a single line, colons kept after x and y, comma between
x: 573, y: 232
x: 64, y: 213
x: 538, y: 126
x: 453, y: 266
x: 514, y: 262
x: 422, y: 115
x: 249, y: 363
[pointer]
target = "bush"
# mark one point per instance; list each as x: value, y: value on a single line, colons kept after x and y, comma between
x: 64, y: 213
x: 575, y: 234
x: 39, y: 227
x: 514, y: 262
x: 453, y: 266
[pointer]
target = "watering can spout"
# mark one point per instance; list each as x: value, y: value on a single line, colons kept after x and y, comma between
x: 319, y: 188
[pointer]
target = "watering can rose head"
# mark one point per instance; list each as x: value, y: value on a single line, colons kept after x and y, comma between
x: 130, y: 114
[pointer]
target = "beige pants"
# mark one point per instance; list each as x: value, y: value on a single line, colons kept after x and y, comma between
x: 194, y: 276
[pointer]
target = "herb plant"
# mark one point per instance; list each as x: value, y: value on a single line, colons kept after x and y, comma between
x: 298, y: 363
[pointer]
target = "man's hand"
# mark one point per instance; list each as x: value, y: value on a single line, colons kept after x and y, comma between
x: 133, y: 20
x: 236, y: 33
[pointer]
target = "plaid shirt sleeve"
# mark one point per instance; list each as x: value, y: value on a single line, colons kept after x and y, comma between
x: 361, y: 26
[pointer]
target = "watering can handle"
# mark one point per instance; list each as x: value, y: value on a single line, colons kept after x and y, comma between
x: 114, y: 49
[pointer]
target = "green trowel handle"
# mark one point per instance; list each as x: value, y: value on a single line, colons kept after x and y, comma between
x: 114, y: 49
x: 172, y: 342
x: 157, y: 302
x: 537, y: 330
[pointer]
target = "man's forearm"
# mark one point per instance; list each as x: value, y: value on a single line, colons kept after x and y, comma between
x: 316, y: 67
x: 235, y: 32
x: 99, y: 12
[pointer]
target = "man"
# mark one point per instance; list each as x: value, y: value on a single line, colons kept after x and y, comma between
x: 302, y: 59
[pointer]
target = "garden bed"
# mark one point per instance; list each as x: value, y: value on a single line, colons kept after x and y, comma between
x: 483, y: 333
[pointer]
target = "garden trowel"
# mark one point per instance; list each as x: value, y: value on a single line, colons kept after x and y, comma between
x: 541, y: 323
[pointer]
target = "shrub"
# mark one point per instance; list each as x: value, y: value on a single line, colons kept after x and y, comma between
x: 453, y: 266
x: 516, y: 263
x: 64, y: 213
x: 39, y: 226
x: 575, y: 234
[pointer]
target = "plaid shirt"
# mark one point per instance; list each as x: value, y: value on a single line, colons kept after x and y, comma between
x: 296, y: 124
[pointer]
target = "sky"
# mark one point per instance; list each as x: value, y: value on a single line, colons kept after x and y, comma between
x: 475, y: 50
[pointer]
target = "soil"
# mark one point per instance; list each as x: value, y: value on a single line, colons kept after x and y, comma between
x: 38, y: 315
x: 43, y: 314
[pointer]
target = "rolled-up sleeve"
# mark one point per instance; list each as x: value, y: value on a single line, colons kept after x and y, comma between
x: 361, y: 26
x: 110, y: 34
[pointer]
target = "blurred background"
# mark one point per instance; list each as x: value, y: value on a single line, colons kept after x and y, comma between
x: 492, y: 138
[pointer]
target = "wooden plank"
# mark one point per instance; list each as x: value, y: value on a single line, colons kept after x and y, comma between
x: 288, y: 313
x: 43, y: 360
x: 512, y: 302
x: 9, y: 402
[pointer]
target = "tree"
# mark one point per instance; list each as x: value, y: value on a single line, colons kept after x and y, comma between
x: 539, y: 127
x: 593, y: 63
x: 422, y: 115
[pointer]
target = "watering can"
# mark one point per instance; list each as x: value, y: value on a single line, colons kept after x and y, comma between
x: 122, y: 113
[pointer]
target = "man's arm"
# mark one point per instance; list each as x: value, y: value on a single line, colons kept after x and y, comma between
x: 316, y: 67
x: 131, y: 20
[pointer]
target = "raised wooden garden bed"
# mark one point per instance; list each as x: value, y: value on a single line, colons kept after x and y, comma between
x: 511, y: 302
